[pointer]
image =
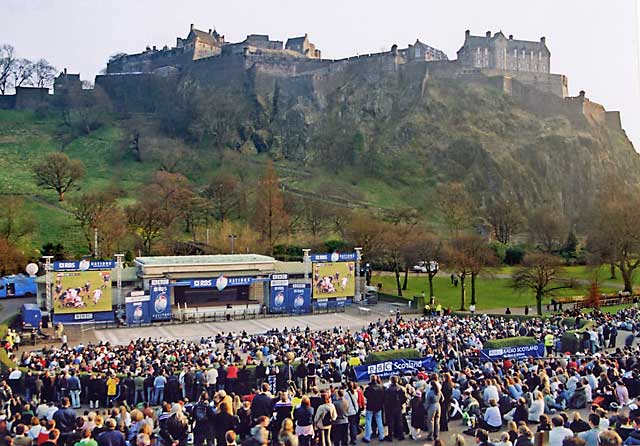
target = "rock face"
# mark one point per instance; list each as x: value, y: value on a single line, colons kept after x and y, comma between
x: 401, y: 123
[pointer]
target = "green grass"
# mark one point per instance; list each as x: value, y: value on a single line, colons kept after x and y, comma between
x: 491, y: 293
x: 580, y: 272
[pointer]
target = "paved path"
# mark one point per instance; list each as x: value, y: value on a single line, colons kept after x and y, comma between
x: 351, y: 318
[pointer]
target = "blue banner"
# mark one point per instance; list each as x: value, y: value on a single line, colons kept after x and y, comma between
x: 278, y: 299
x: 79, y: 318
x: 138, y: 310
x: 220, y: 282
x: 84, y: 265
x: 334, y: 257
x: 394, y: 367
x: 159, y: 300
x: 517, y: 352
x: 299, y: 298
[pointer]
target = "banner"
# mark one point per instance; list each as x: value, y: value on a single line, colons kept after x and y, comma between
x: 299, y: 298
x: 220, y: 282
x: 138, y: 310
x: 84, y: 265
x: 334, y: 257
x: 516, y: 352
x: 82, y: 292
x: 277, y: 298
x: 159, y: 304
x: 394, y: 367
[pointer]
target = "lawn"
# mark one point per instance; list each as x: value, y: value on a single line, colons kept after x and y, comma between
x: 491, y: 293
x: 580, y: 272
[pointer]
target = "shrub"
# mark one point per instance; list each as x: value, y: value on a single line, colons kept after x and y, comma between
x: 514, y: 255
x: 408, y: 353
x: 510, y: 342
x: 500, y: 249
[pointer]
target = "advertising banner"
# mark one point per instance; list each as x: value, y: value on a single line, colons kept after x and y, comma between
x: 83, y: 265
x: 277, y: 298
x: 220, y: 282
x: 159, y: 300
x: 299, y: 298
x: 82, y: 292
x: 334, y: 280
x: 394, y: 367
x: 334, y: 257
x: 517, y: 352
x: 138, y: 310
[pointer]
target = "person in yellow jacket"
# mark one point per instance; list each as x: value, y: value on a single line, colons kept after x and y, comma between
x: 548, y: 343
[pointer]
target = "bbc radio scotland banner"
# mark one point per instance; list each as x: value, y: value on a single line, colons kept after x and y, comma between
x: 394, y: 367
x: 138, y: 311
x: 159, y: 304
x: 299, y: 298
x: 516, y: 352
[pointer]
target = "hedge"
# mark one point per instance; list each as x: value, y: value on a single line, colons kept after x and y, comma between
x: 510, y: 342
x: 387, y: 355
x: 571, y: 342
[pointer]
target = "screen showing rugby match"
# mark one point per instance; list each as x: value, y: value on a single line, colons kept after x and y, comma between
x: 82, y: 292
x: 333, y: 280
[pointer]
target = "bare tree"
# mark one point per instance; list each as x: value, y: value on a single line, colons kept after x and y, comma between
x: 461, y: 261
x: 505, y: 218
x: 22, y: 72
x: 43, y: 73
x: 540, y: 273
x: 58, y: 172
x: 455, y: 204
x: 547, y: 228
x: 8, y: 60
x: 430, y: 249
x: 614, y: 235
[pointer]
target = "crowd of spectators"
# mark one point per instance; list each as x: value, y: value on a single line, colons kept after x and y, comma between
x: 298, y: 386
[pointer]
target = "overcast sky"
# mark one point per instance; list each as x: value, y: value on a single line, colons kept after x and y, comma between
x: 593, y: 42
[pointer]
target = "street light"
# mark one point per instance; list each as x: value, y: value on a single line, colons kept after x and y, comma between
x: 233, y: 238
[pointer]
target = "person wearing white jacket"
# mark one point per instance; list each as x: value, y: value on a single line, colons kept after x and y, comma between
x: 537, y: 407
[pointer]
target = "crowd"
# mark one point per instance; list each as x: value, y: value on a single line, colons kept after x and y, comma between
x: 298, y: 387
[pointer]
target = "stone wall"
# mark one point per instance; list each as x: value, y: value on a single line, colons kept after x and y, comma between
x: 556, y: 84
x: 613, y: 120
x: 31, y: 98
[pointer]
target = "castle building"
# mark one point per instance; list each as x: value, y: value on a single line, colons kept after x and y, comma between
x: 423, y: 52
x: 502, y: 53
x: 303, y: 46
x: 202, y: 44
x: 67, y: 83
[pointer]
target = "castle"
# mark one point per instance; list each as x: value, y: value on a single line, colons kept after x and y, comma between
x: 519, y: 68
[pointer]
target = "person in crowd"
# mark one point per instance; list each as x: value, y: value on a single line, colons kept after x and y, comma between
x: 323, y: 420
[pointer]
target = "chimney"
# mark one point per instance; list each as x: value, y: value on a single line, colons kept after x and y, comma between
x: 154, y: 48
x: 488, y: 33
x: 65, y: 71
x: 543, y: 40
x: 210, y: 31
x: 191, y: 28
x: 467, y: 33
x: 510, y: 36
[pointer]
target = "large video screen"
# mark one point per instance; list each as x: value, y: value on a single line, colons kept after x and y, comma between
x: 333, y: 280
x: 82, y: 292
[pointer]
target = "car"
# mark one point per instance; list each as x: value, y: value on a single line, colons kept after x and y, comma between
x: 420, y: 267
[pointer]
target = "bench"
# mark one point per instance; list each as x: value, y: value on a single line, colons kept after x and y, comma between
x: 363, y: 310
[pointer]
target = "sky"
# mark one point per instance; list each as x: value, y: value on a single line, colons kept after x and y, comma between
x: 593, y: 42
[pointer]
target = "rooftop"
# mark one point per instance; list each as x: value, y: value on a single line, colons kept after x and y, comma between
x: 204, y: 260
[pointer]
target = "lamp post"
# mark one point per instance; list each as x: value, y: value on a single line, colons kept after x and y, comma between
x: 358, y: 292
x: 119, y: 263
x: 232, y: 238
x: 47, y: 272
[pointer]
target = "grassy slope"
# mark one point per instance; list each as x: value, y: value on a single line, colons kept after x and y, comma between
x: 25, y: 139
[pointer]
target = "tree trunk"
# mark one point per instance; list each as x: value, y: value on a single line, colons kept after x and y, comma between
x: 430, y: 286
x: 612, y: 268
x: 462, y: 292
x: 626, y: 276
x: 406, y: 278
x: 539, y: 303
x: 397, y: 271
x: 61, y: 196
x: 473, y: 288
